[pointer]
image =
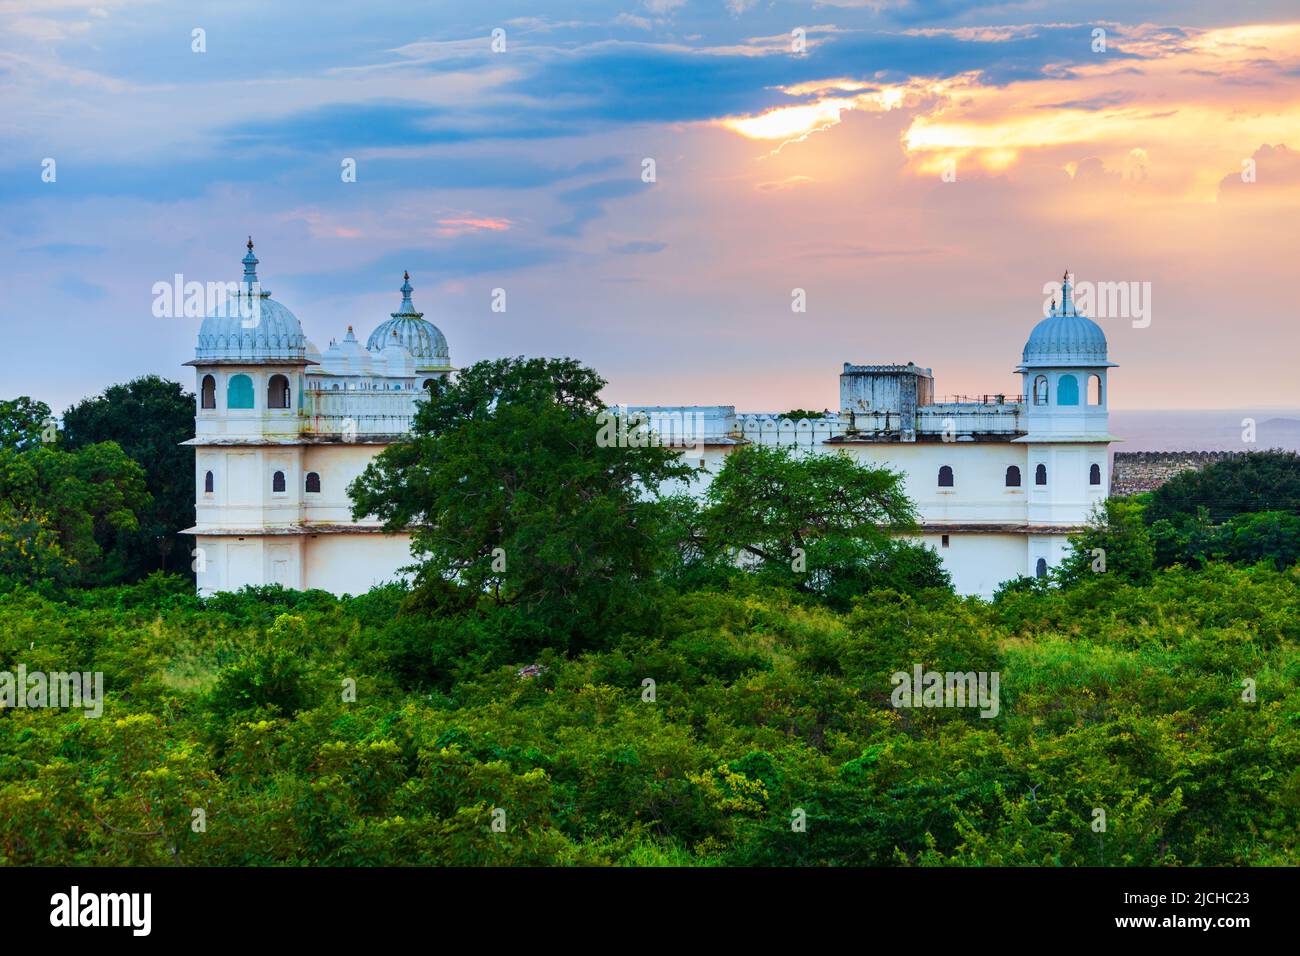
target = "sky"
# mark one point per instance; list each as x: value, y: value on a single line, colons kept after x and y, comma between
x: 917, y: 173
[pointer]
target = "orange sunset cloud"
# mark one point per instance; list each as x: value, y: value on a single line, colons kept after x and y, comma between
x: 1181, y: 103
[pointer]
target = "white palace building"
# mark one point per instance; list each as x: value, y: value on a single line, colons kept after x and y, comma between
x: 282, y: 429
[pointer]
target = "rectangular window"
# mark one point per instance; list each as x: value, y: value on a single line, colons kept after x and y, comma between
x: 945, y: 541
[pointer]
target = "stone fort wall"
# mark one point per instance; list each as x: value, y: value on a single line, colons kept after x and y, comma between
x: 1137, y: 471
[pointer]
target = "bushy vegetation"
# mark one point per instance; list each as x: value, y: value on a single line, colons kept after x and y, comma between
x: 1116, y: 696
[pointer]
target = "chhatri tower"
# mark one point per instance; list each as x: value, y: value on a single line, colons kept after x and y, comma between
x: 281, y: 429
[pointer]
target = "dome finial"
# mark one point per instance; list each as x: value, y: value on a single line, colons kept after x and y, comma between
x: 250, y: 266
x: 1067, y: 304
x: 406, y: 327
x: 406, y: 308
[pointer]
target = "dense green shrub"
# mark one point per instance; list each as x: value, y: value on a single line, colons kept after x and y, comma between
x: 766, y: 707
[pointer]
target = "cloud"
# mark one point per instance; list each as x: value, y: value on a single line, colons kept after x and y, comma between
x: 368, y: 124
x: 81, y: 289
x: 587, y: 203
x: 638, y: 247
x: 460, y: 225
x: 1092, y: 170
x: 1269, y: 174
x: 47, y: 30
x: 788, y: 183
x: 1098, y: 102
x: 467, y: 256
x: 632, y: 20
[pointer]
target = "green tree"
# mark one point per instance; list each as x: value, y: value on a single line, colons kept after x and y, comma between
x: 1267, y: 536
x: 29, y: 547
x: 149, y: 418
x: 1255, y: 481
x: 67, y: 515
x: 268, y: 678
x: 514, y: 502
x: 795, y: 414
x: 822, y: 523
x: 23, y: 421
x: 1115, y: 542
x: 1185, y: 539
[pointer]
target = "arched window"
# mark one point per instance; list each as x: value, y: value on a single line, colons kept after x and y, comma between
x: 1040, y: 569
x: 1040, y: 475
x: 239, y: 392
x: 207, y: 483
x: 277, y: 392
x: 945, y: 476
x: 313, y: 482
x: 1094, y: 475
x: 1040, y: 390
x: 277, y: 483
x: 1013, y: 476
x: 208, y: 392
x: 1094, y: 390
x: 1067, y: 390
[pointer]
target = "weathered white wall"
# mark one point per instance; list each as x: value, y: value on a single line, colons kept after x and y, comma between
x: 354, y: 563
x: 338, y: 466
x: 243, y: 494
x: 1067, y: 498
x: 229, y: 562
x: 349, y: 563
x: 978, y: 563
x: 978, y: 496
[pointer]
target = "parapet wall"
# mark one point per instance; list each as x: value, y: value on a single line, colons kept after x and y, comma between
x: 1137, y: 471
x: 775, y: 430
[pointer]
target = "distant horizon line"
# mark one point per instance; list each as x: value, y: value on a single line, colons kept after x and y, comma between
x: 1234, y: 408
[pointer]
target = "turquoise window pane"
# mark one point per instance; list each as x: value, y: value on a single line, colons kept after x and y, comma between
x: 1067, y: 390
x: 239, y: 393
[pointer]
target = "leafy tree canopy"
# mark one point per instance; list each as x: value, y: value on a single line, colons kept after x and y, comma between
x: 513, y: 501
x: 1116, y: 542
x: 149, y: 418
x: 770, y: 501
x: 824, y: 523
x: 797, y: 413
x: 1255, y: 481
x: 22, y: 422
x: 66, y: 517
x: 1115, y: 695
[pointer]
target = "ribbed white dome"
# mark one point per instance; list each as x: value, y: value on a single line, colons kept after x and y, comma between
x: 423, y: 339
x: 1065, y: 338
x: 250, y: 326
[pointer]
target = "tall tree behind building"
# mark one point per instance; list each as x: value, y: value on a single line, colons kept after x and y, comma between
x: 148, y: 417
